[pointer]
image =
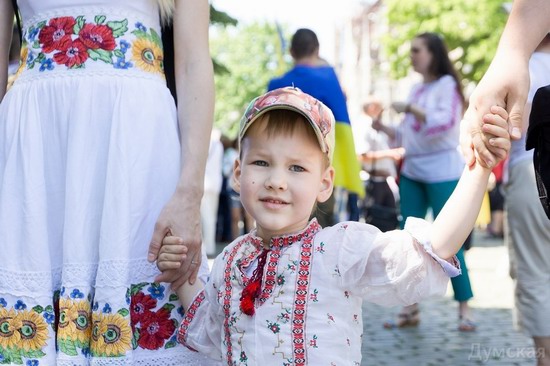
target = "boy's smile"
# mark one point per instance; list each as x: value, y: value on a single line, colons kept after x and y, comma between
x: 280, y: 178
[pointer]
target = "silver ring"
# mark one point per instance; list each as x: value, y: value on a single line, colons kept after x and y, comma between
x: 194, y: 262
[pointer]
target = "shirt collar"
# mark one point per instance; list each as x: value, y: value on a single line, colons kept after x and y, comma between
x: 286, y: 240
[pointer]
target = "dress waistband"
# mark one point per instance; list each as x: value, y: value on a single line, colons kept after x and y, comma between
x: 93, y: 42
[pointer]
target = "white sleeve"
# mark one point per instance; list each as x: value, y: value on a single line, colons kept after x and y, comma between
x: 392, y: 268
x: 201, y: 327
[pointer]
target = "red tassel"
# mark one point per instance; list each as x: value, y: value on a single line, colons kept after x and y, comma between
x: 254, y: 287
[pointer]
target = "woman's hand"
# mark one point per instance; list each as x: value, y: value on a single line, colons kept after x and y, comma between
x: 505, y: 84
x: 180, y: 217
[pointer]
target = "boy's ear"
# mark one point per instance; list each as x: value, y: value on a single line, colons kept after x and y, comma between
x: 327, y: 185
x: 236, y: 179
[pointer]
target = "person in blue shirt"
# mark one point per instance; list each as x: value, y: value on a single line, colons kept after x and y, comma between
x: 316, y: 77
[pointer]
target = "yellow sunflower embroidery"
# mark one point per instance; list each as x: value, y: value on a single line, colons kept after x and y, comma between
x: 9, y: 336
x: 33, y: 330
x: 97, y: 346
x: 82, y: 322
x: 67, y: 314
x: 147, y: 55
x: 111, y: 335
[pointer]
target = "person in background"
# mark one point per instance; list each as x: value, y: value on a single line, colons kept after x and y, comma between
x: 379, y: 160
x: 315, y: 76
x: 528, y: 228
x: 241, y: 221
x: 432, y: 163
x: 211, y: 195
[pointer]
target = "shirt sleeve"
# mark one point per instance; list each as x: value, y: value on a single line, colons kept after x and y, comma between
x: 201, y: 327
x: 393, y: 268
x: 444, y: 113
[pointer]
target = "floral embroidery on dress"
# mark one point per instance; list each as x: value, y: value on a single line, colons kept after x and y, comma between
x: 73, y: 42
x: 23, y: 332
x: 83, y: 329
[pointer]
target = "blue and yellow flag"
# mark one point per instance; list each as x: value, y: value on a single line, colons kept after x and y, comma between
x: 322, y: 83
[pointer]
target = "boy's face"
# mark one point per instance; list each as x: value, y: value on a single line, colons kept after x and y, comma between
x: 280, y: 178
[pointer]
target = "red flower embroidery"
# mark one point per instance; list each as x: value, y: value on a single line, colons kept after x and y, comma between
x: 72, y: 54
x: 97, y: 36
x: 141, y: 306
x: 56, y: 34
x: 155, y: 329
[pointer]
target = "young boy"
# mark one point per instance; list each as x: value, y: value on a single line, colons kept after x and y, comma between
x: 290, y: 292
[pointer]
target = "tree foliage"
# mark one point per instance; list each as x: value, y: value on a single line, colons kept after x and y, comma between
x: 252, y: 55
x: 471, y: 29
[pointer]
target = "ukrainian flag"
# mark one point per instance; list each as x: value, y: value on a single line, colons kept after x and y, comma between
x: 322, y: 83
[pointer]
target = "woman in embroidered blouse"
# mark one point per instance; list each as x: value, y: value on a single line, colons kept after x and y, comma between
x: 95, y: 160
x: 432, y: 163
x: 290, y: 292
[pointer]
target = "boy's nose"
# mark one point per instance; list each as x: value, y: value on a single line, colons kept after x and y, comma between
x: 276, y: 180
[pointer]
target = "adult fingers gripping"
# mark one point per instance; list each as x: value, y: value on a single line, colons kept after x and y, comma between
x: 190, y: 267
x: 160, y: 231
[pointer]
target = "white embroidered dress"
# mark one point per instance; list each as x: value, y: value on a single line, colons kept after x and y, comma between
x: 89, y: 155
x: 314, y: 283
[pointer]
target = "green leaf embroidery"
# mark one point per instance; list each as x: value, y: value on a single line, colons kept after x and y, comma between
x: 118, y: 53
x: 36, y: 44
x: 137, y: 288
x: 39, y: 309
x: 41, y: 25
x: 100, y: 19
x: 174, y: 297
x: 168, y: 307
x: 123, y: 312
x: 67, y: 346
x: 119, y: 27
x: 33, y: 354
x: 135, y: 338
x: 170, y: 344
x: 156, y: 38
x: 99, y: 54
x: 80, y: 21
x: 140, y: 34
x: 49, y: 309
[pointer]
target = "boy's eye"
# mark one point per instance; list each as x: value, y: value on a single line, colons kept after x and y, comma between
x: 259, y: 163
x: 297, y: 168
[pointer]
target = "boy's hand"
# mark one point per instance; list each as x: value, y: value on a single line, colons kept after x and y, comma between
x: 496, y: 132
x: 172, y: 253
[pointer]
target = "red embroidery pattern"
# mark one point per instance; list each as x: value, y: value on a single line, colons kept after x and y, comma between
x: 189, y: 315
x: 227, y: 298
x: 300, y: 303
x: 270, y: 278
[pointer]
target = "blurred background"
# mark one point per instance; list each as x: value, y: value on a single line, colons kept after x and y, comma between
x: 367, y: 43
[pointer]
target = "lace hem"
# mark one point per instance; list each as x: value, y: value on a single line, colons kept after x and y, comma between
x: 110, y: 273
x: 183, y: 357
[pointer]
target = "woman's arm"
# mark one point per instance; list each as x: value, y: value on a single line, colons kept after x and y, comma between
x: 6, y: 30
x: 195, y: 90
x: 506, y: 82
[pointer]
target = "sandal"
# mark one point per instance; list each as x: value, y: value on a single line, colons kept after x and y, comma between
x: 466, y: 325
x: 404, y: 320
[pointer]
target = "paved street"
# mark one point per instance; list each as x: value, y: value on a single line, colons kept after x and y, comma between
x: 436, y: 341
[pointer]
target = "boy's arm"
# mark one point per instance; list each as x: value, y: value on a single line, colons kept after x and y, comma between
x: 457, y: 218
x: 188, y: 292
